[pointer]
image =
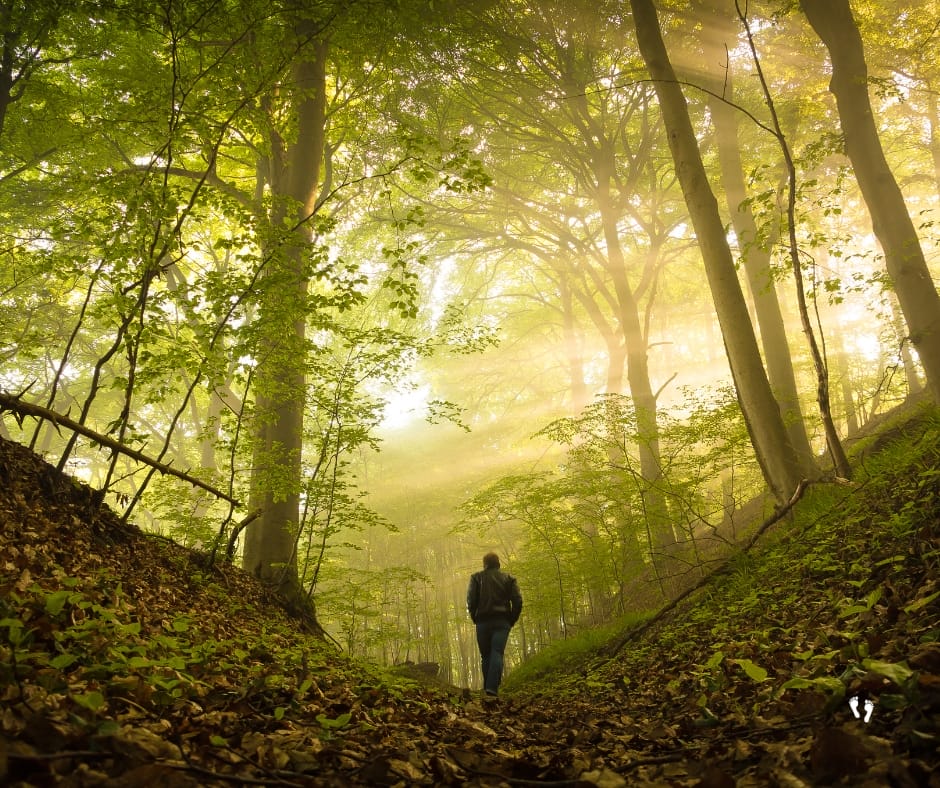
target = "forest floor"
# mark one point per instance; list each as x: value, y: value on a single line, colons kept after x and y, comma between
x: 126, y: 661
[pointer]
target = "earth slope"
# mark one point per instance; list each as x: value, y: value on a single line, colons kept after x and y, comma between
x: 126, y: 661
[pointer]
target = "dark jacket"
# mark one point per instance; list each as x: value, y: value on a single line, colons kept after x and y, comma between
x: 494, y: 594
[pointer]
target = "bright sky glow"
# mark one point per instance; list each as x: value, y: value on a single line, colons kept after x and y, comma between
x: 405, y: 406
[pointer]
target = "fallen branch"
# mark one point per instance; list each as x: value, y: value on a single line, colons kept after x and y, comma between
x: 16, y: 405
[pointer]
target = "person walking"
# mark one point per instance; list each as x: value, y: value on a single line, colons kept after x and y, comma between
x: 494, y: 603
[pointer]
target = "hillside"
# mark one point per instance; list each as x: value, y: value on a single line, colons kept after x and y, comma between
x: 127, y: 661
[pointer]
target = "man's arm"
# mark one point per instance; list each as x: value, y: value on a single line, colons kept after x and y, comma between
x: 473, y: 598
x: 515, y: 600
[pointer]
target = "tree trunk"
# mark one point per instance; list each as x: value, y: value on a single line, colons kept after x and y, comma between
x: 778, y: 459
x: 270, y: 541
x: 635, y: 346
x: 904, y: 259
x: 914, y: 385
x: 755, y: 258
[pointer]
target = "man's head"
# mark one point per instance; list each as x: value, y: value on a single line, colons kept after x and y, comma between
x: 491, y: 561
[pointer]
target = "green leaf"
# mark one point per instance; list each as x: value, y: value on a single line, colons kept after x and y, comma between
x: 340, y: 722
x: 181, y: 624
x: 715, y: 660
x: 56, y: 601
x: 279, y: 713
x: 827, y: 684
x: 852, y: 610
x: 218, y: 741
x: 893, y: 671
x: 895, y: 559
x: 754, y: 672
x: 62, y: 661
x: 917, y: 604
x: 94, y: 701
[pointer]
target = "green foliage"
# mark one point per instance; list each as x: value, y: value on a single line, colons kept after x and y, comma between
x: 370, y: 611
x: 847, y: 559
x: 568, y: 657
x: 582, y: 526
x: 92, y: 650
x: 152, y: 267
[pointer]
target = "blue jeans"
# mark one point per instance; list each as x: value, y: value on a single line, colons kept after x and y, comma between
x: 492, y: 635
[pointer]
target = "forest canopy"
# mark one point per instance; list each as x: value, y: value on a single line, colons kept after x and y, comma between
x: 351, y: 292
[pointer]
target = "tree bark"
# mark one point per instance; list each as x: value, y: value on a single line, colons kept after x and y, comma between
x: 270, y: 541
x: 755, y: 257
x: 778, y: 459
x: 574, y: 355
x: 635, y: 346
x: 904, y: 258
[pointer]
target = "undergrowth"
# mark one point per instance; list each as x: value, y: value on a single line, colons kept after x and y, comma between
x: 81, y: 648
x: 569, y: 655
x: 809, y: 616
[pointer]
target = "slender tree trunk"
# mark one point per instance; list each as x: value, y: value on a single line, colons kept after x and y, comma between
x: 756, y: 264
x: 904, y: 259
x: 616, y: 363
x: 833, y: 440
x: 844, y: 373
x: 755, y: 258
x: 635, y: 345
x: 782, y: 468
x: 914, y: 386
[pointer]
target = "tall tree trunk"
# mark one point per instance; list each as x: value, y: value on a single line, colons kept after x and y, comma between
x: 779, y: 461
x: 270, y: 541
x: 914, y: 385
x: 635, y: 345
x: 844, y: 375
x: 904, y: 259
x: 755, y: 258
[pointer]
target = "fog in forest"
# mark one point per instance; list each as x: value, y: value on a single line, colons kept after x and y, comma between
x: 355, y: 293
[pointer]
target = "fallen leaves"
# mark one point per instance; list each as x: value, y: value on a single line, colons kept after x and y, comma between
x: 121, y: 669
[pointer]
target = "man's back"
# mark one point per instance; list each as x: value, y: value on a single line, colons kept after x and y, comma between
x: 494, y: 593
